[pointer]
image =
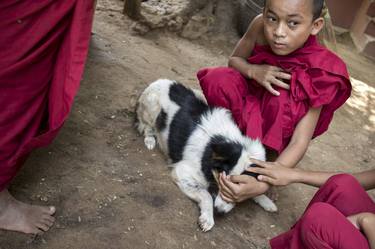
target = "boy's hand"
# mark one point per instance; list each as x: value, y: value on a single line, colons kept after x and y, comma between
x: 239, y: 188
x: 267, y: 76
x: 273, y: 173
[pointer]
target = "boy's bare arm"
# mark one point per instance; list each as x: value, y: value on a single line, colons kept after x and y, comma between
x: 366, y: 179
x: 301, y: 138
x: 245, y: 46
x: 278, y: 175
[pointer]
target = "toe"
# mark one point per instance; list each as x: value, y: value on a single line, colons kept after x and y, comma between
x: 42, y: 226
x: 51, y: 210
x: 49, y: 218
x: 47, y: 222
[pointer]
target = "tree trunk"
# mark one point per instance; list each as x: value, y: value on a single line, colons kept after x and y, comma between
x: 132, y: 8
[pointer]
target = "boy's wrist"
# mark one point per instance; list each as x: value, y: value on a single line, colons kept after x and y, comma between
x: 297, y: 176
x: 250, y: 71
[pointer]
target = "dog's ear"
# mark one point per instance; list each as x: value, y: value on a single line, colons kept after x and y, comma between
x: 217, y: 157
x: 218, y: 151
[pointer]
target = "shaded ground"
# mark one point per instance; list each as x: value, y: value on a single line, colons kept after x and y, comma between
x: 112, y: 193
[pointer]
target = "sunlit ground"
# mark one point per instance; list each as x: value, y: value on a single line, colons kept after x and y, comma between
x: 363, y: 100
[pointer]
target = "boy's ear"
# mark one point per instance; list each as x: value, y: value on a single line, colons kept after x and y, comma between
x: 318, y: 24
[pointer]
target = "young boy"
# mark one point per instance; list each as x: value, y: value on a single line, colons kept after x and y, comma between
x: 281, y: 86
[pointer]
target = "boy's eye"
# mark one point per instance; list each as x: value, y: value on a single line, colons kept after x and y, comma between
x: 292, y: 23
x: 271, y: 18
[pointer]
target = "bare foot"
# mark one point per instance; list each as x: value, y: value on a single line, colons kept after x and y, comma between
x: 21, y: 217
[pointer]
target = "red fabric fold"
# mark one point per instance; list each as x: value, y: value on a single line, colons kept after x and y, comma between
x: 43, y: 50
x: 319, y: 79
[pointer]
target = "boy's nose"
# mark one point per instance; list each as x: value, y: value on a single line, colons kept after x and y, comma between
x: 280, y: 31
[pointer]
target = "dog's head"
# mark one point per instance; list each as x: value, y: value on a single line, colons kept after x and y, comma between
x: 233, y: 157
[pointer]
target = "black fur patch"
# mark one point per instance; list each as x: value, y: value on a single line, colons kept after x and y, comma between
x: 251, y: 173
x: 185, y: 120
x: 161, y: 121
x: 221, y: 155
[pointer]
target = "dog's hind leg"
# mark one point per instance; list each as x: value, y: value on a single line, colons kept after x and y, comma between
x: 150, y: 138
x: 266, y: 203
x: 197, y: 192
x: 147, y: 112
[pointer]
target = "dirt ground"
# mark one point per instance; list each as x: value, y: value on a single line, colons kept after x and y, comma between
x: 110, y: 192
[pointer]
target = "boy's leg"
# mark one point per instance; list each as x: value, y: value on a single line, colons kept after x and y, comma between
x: 324, y: 227
x: 345, y: 193
x: 228, y: 88
x: 224, y: 87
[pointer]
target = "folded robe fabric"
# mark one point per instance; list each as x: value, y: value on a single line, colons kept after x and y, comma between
x: 43, y: 47
x: 319, y: 79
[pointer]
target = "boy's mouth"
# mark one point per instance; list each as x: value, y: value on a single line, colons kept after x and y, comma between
x: 279, y: 45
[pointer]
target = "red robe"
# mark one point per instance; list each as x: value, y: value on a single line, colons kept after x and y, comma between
x: 43, y: 50
x: 319, y: 79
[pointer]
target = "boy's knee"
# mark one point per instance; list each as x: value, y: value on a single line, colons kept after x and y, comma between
x: 344, y: 182
x: 317, y: 215
x: 219, y: 77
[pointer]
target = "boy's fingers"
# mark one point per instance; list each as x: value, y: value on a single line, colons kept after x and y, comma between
x: 231, y: 187
x: 271, y: 90
x: 259, y: 163
x: 280, y: 84
x: 225, y: 198
x: 267, y: 179
x: 222, y: 186
x: 239, y: 179
x: 282, y: 75
x: 276, y: 68
x: 257, y: 170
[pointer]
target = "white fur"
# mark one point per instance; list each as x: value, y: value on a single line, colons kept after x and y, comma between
x: 187, y: 173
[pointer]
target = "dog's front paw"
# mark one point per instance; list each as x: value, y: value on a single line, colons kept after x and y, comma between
x: 206, y: 222
x: 150, y: 142
x: 266, y: 203
x: 222, y: 206
x: 270, y: 207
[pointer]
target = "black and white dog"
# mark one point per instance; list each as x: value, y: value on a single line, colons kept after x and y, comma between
x: 198, y: 140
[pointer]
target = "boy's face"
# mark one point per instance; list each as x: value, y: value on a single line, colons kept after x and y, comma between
x: 288, y: 24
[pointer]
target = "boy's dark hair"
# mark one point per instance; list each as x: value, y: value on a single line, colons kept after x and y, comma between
x: 317, y: 8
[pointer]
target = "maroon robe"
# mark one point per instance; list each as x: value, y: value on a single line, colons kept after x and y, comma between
x: 319, y: 79
x: 43, y: 48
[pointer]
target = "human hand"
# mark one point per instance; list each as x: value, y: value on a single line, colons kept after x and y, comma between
x: 362, y: 220
x: 240, y: 187
x: 267, y: 76
x: 273, y: 173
